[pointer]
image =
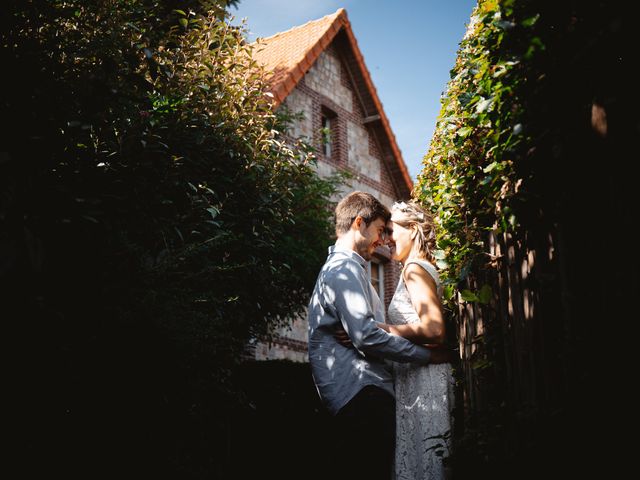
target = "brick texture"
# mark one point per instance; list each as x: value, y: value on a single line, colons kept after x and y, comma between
x: 363, y: 149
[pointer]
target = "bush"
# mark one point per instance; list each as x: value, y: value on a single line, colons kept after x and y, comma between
x: 153, y: 220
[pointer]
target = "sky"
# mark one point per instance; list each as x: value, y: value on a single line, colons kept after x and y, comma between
x: 409, y: 47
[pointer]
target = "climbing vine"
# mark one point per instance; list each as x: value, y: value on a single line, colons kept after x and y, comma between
x: 470, y: 179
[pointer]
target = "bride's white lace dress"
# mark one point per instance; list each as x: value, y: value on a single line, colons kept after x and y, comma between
x: 424, y: 401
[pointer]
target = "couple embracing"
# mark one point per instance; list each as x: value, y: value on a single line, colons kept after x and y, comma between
x: 389, y: 385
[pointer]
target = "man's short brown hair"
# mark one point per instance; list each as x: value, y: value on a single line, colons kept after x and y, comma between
x: 359, y: 204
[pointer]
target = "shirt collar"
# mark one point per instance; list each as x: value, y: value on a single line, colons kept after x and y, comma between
x: 348, y: 252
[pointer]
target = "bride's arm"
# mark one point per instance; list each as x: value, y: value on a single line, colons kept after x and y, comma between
x: 424, y: 297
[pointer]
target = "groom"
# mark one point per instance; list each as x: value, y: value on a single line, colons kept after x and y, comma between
x: 354, y: 383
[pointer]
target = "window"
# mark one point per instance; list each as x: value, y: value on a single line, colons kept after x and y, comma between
x: 327, y: 132
x: 376, y: 274
x: 326, y: 136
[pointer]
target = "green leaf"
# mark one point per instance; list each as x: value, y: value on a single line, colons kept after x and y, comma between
x: 468, y: 296
x: 183, y: 22
x: 481, y: 364
x: 447, y: 292
x: 537, y: 41
x: 505, y: 25
x: 484, y: 294
x: 465, y: 98
x: 465, y: 131
x: 213, y: 211
x: 490, y: 167
x: 484, y: 105
x: 486, y: 181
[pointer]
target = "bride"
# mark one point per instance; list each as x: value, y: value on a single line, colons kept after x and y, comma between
x: 424, y: 394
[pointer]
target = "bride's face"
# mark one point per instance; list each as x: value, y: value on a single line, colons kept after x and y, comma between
x: 399, y: 240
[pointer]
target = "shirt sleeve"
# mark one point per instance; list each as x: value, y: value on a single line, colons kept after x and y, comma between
x: 346, y: 292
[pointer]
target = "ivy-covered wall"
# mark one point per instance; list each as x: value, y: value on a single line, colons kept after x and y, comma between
x: 530, y: 175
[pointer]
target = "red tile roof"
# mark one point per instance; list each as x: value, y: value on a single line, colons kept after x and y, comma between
x: 287, y: 56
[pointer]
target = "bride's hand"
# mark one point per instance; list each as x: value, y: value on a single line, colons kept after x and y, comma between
x: 440, y: 353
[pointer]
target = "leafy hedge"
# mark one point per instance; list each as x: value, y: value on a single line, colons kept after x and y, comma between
x: 476, y: 179
x: 151, y: 212
x: 535, y: 139
x: 470, y: 179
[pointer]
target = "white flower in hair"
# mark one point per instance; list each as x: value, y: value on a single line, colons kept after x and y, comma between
x: 404, y: 208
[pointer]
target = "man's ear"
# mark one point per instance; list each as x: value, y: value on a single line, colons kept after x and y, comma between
x: 357, y: 222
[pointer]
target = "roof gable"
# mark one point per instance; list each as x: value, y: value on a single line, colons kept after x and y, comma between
x: 287, y: 56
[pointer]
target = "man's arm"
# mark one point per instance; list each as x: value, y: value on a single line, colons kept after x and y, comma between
x: 346, y: 290
x: 439, y: 353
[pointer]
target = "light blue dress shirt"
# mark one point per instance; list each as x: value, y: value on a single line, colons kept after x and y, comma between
x: 344, y: 296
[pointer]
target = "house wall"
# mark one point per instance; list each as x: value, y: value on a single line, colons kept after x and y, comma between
x: 327, y: 87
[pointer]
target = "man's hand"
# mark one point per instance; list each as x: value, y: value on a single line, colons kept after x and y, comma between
x: 342, y: 337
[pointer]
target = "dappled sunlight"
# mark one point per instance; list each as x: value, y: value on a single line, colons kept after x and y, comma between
x: 329, y: 361
x: 428, y: 405
x: 341, y: 292
x: 361, y: 366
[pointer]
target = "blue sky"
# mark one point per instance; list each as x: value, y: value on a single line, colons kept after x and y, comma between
x: 409, y: 47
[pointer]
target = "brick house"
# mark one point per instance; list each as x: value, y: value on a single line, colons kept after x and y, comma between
x: 317, y: 69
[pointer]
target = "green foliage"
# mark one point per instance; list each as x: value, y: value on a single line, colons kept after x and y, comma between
x: 469, y: 178
x: 149, y: 192
x: 474, y: 182
x: 518, y: 150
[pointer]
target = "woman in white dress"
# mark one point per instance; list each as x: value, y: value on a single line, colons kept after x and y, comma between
x: 424, y: 394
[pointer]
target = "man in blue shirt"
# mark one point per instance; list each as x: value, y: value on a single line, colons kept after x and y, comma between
x: 354, y: 382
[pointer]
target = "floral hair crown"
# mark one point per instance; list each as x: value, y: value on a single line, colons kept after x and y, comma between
x: 404, y: 208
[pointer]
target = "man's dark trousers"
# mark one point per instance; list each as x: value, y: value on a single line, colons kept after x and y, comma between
x: 366, y: 428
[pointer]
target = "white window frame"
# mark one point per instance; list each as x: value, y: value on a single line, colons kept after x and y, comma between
x: 380, y: 287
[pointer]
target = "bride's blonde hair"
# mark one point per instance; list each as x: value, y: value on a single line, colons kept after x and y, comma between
x: 413, y: 215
